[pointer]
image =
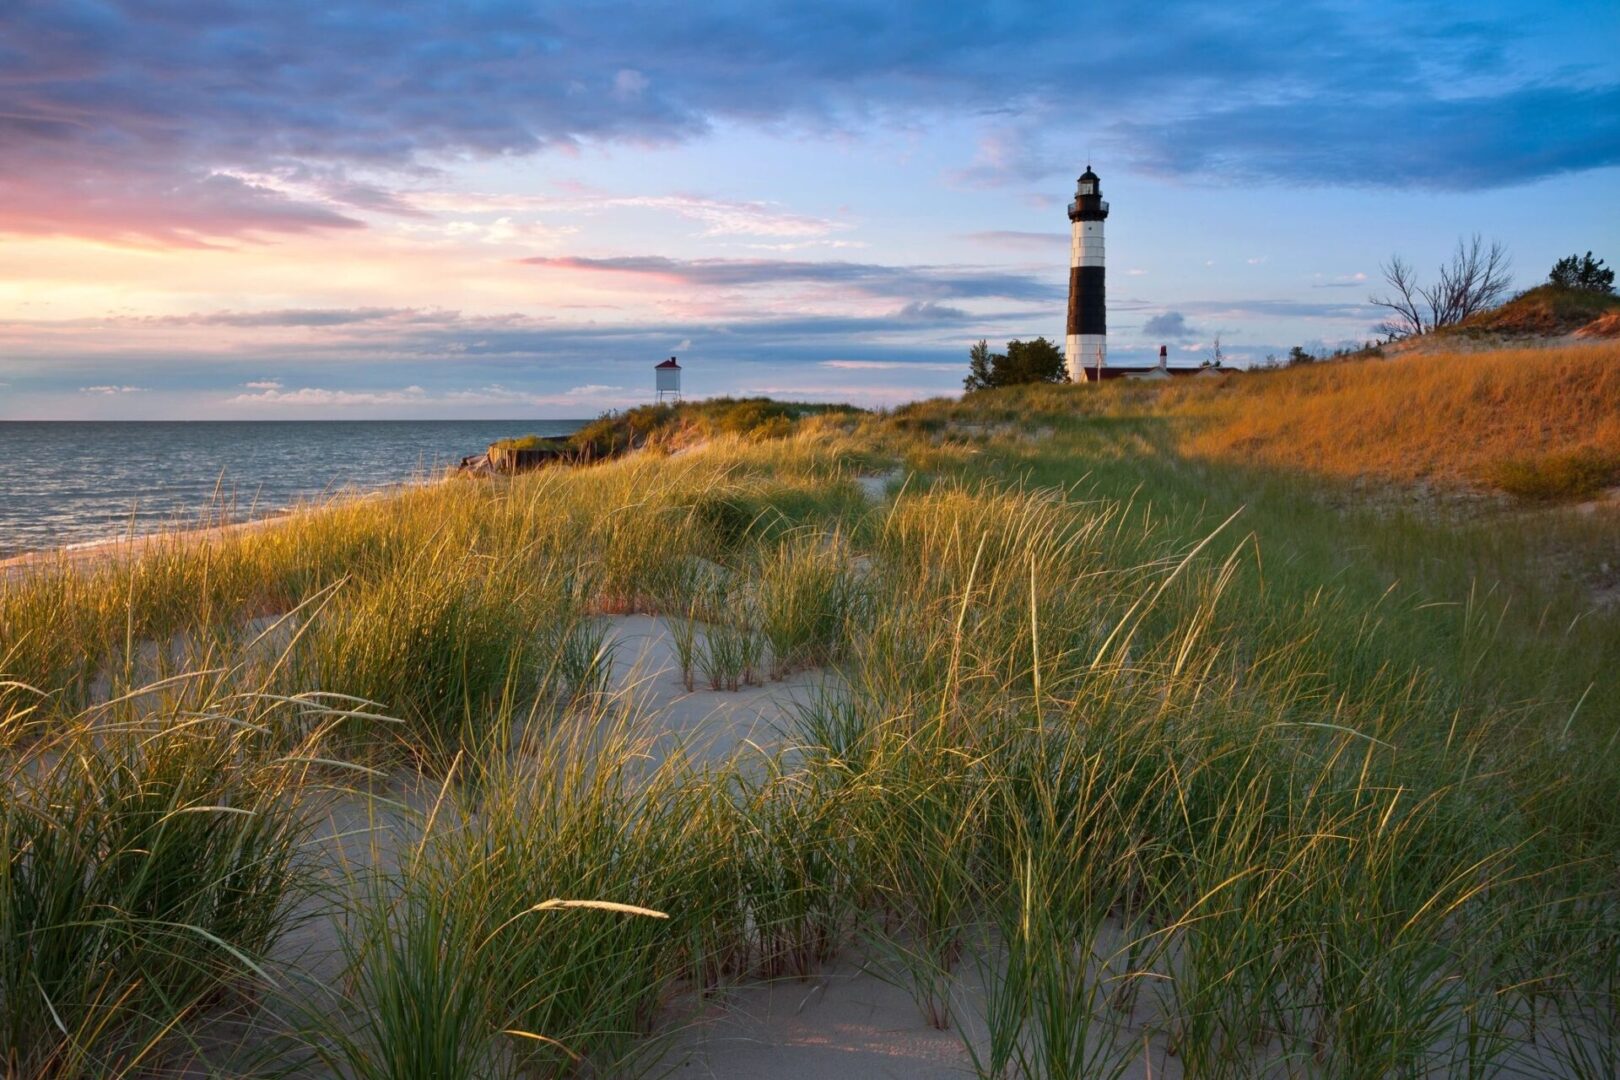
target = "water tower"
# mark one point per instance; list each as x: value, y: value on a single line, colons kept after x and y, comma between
x: 669, y: 380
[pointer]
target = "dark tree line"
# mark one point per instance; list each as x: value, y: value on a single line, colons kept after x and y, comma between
x: 1582, y: 272
x: 1037, y: 361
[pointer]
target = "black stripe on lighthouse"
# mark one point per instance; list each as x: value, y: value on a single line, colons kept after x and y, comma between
x: 1087, y: 304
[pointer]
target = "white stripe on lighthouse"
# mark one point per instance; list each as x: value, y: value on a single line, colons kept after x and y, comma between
x: 1071, y: 342
x: 1088, y: 244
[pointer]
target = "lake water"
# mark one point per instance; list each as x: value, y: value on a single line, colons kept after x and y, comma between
x: 75, y: 482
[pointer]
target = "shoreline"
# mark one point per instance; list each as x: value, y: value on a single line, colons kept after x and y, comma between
x: 131, y: 546
x: 106, y: 486
x: 90, y: 551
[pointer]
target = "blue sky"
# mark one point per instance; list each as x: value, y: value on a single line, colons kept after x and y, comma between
x: 497, y: 209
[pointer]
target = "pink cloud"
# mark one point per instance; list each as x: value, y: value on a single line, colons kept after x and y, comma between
x: 158, y: 210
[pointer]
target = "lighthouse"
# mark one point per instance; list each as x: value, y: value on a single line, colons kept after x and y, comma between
x: 1086, y: 343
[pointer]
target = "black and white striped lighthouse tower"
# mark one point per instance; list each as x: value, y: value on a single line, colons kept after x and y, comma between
x: 1086, y: 345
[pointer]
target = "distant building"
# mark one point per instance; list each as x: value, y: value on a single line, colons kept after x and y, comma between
x: 1161, y: 370
x: 668, y: 375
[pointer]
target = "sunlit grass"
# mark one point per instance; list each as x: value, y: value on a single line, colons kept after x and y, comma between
x: 1448, y: 417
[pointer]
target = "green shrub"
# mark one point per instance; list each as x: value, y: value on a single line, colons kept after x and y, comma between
x: 520, y: 442
x: 1572, y: 475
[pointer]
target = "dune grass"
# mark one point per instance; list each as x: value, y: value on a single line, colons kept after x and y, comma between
x: 151, y: 864
x: 1169, y: 757
x: 1450, y: 418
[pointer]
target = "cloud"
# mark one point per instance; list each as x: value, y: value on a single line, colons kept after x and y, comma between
x: 1018, y: 151
x: 1013, y: 239
x: 629, y: 84
x: 719, y: 217
x: 1273, y: 308
x: 416, y: 397
x: 264, y: 384
x: 195, y: 121
x: 327, y: 398
x: 110, y: 389
x: 886, y: 365
x: 1420, y: 140
x: 1339, y: 281
x: 1171, y: 324
x: 870, y: 279
x: 289, y: 317
x: 929, y: 312
x: 144, y: 205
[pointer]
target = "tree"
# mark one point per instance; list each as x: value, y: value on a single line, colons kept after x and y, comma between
x: 1402, y: 301
x: 1037, y: 361
x: 1476, y: 279
x: 981, y: 367
x: 1578, y: 272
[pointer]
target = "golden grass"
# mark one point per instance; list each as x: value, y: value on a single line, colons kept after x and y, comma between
x: 1463, y: 418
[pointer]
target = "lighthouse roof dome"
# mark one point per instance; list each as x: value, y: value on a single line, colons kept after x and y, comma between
x: 1089, y: 175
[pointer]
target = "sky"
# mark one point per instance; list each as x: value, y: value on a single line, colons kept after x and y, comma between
x: 240, y: 210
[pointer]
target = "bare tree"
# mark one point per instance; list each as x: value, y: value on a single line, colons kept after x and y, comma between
x: 1476, y: 279
x: 1406, y: 317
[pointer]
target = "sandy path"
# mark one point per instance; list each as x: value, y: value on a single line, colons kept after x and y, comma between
x: 713, y: 724
x: 841, y: 1024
